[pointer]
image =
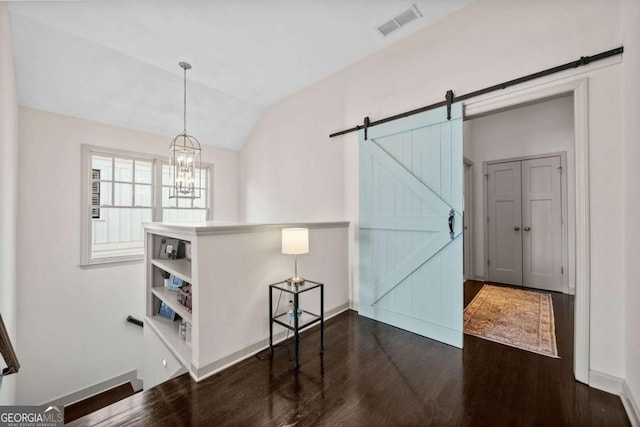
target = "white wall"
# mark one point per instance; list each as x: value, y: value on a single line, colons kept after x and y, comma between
x: 71, y: 320
x: 631, y: 136
x: 246, y: 263
x: 308, y: 176
x: 546, y: 127
x: 8, y: 194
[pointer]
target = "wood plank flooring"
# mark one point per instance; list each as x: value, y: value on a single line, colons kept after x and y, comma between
x: 372, y: 374
x: 99, y: 401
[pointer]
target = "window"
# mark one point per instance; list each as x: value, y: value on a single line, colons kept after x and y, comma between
x: 125, y: 190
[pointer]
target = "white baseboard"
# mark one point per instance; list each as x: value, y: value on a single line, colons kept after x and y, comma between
x: 618, y: 386
x: 630, y: 405
x: 605, y: 382
x: 92, y: 390
x: 354, y: 305
x: 210, y: 368
x: 137, y: 384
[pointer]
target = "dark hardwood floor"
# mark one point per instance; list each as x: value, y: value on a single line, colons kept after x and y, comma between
x: 99, y: 401
x: 373, y: 374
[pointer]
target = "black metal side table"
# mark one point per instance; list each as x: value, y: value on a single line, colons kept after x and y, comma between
x: 310, y: 319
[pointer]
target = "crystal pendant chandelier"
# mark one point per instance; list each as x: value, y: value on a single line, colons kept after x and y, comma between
x: 185, y: 158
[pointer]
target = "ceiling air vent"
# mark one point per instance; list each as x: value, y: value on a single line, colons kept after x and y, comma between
x: 400, y: 20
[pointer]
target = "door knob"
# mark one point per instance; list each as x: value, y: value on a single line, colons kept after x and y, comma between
x: 516, y: 228
x: 527, y: 228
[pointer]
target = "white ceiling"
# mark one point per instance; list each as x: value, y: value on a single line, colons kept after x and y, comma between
x: 115, y: 61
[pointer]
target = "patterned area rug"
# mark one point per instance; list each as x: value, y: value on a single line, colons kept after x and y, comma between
x: 514, y: 317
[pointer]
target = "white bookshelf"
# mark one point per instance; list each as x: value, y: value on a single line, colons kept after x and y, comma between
x: 165, y: 329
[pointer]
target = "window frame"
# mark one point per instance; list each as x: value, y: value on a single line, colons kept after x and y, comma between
x: 88, y: 151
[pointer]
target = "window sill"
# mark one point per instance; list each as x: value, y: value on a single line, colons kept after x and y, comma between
x: 107, y: 262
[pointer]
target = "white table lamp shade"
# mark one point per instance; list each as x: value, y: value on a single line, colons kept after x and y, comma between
x: 295, y: 241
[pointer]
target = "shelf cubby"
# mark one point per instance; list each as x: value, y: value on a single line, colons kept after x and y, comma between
x: 167, y: 330
x: 180, y: 268
x: 171, y: 299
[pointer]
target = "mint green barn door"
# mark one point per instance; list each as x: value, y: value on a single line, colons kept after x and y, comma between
x: 411, y: 224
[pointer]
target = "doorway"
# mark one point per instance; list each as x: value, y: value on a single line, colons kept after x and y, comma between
x: 505, y: 141
x: 579, y: 246
x: 578, y: 180
x: 525, y: 206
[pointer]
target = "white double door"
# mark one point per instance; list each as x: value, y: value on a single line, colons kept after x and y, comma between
x: 524, y: 223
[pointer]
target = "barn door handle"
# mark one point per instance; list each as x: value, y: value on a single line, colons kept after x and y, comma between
x: 452, y: 215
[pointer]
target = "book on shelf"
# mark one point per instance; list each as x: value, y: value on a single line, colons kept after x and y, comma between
x: 175, y: 283
x: 165, y: 311
x: 184, y: 297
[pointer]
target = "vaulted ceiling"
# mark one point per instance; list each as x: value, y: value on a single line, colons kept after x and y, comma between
x: 116, y: 61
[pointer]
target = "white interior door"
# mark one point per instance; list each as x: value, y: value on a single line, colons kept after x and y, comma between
x: 542, y: 221
x: 504, y: 200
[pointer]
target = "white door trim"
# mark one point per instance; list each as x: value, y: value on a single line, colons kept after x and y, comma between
x: 568, y: 257
x: 468, y: 220
x: 544, y: 90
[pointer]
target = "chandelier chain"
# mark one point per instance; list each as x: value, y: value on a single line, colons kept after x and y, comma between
x: 185, y: 101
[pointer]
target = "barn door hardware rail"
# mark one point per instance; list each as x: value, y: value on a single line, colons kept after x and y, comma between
x: 450, y: 98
